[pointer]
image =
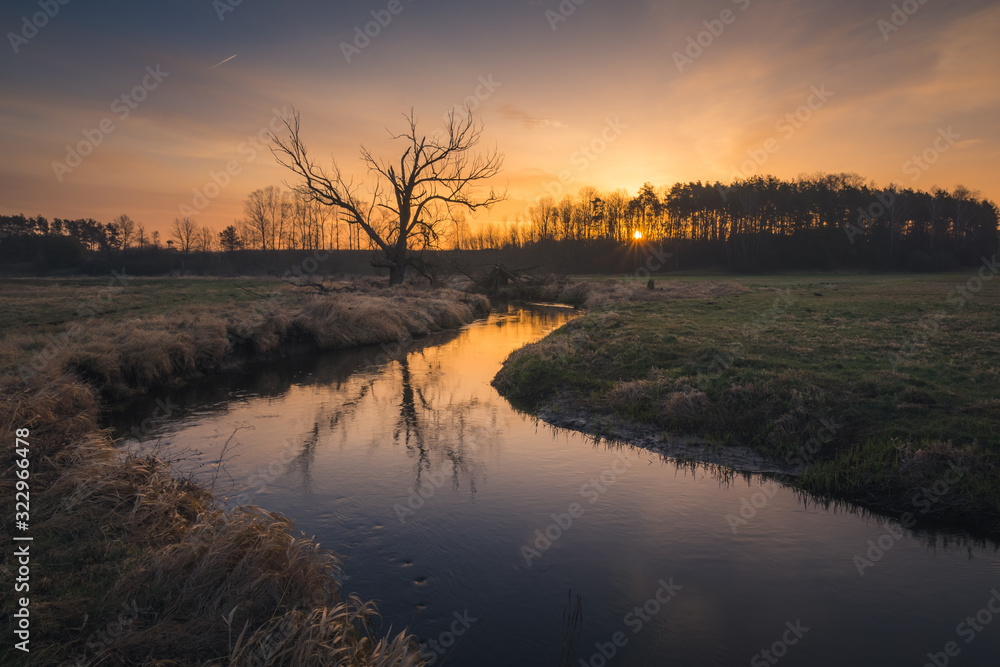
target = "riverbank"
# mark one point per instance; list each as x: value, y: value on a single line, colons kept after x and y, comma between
x: 130, y: 565
x: 884, y: 391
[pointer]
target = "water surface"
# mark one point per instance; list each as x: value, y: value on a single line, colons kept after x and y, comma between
x: 438, y: 496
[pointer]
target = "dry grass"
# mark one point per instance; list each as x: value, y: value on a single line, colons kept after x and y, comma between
x: 591, y: 294
x: 122, y: 356
x: 112, y: 531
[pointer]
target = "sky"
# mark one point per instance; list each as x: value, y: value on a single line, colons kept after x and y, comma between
x: 155, y: 109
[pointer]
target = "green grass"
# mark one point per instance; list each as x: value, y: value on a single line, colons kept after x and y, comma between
x: 42, y: 305
x: 771, y: 368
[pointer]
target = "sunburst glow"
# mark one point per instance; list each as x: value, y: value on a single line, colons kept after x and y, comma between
x: 637, y: 235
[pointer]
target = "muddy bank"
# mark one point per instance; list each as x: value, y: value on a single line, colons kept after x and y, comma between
x: 678, y: 447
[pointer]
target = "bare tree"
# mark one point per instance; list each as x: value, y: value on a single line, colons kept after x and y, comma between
x: 205, y: 239
x: 410, y: 200
x: 461, y: 230
x: 140, y: 236
x: 248, y: 234
x: 266, y: 211
x: 185, y: 231
x: 126, y: 230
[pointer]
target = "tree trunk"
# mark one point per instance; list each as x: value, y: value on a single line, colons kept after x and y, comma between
x: 396, y: 273
x: 397, y: 264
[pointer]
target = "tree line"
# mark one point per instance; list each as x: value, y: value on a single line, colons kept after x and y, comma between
x: 765, y: 223
x: 760, y: 223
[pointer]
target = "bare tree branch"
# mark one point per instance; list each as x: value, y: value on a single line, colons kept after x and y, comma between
x: 432, y: 177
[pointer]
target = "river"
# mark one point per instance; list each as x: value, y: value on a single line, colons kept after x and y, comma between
x: 500, y: 540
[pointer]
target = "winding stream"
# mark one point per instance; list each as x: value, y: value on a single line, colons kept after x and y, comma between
x: 482, y: 529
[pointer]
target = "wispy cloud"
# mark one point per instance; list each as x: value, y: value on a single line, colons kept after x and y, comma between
x: 511, y: 112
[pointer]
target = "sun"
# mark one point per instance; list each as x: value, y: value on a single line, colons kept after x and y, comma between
x: 637, y: 235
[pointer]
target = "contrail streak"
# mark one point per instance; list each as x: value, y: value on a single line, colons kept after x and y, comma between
x: 220, y: 63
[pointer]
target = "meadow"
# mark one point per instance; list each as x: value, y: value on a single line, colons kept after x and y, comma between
x: 882, y: 390
x: 878, y: 389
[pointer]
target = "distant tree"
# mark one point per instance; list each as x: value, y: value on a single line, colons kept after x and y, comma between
x: 461, y: 230
x: 41, y: 225
x: 205, y: 240
x: 184, y: 231
x: 125, y: 228
x: 543, y: 217
x: 229, y: 239
x: 140, y: 236
x: 266, y: 212
x: 110, y: 240
x: 411, y: 198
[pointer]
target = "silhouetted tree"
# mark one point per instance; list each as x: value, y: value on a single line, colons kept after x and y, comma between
x: 411, y: 199
x: 229, y: 239
x: 184, y: 231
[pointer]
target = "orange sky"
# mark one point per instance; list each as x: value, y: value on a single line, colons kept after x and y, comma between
x: 600, y: 98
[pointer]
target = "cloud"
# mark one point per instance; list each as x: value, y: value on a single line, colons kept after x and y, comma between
x: 511, y: 112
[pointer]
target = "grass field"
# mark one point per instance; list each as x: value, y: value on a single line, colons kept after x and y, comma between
x: 876, y: 388
x: 41, y: 305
